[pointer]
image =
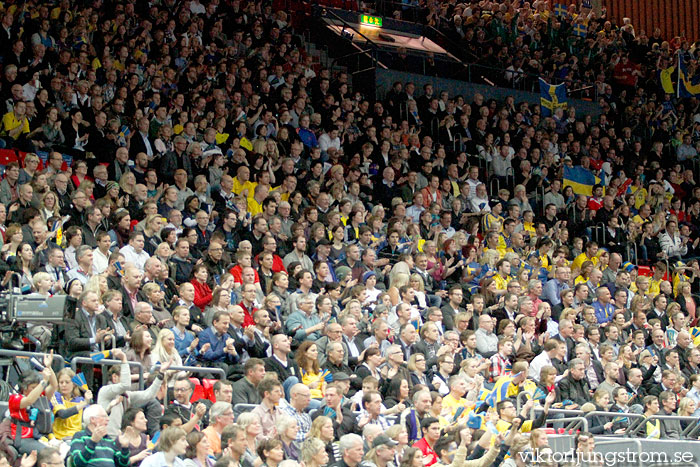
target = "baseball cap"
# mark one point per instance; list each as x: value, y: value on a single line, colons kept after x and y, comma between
x: 383, y: 440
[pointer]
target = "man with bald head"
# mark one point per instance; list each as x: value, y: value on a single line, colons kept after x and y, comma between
x: 299, y: 398
x: 280, y: 362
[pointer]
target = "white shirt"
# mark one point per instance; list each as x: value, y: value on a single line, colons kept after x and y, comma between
x: 100, y: 262
x: 130, y: 256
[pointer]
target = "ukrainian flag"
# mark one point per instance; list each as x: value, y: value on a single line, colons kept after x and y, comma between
x: 552, y: 97
x: 580, y: 179
x: 687, y: 86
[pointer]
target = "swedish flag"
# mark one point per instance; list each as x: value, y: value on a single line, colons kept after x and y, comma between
x: 560, y: 9
x: 552, y: 97
x: 580, y: 30
x: 687, y: 86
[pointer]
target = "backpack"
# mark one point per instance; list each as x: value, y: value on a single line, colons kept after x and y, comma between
x: 6, y: 443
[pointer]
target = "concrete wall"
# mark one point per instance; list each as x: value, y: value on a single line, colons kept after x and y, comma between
x: 385, y: 79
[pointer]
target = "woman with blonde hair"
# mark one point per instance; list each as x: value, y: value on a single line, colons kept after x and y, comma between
x: 250, y: 423
x: 165, y: 351
x: 314, y: 454
x: 48, y: 207
x: 399, y: 276
x: 156, y: 298
x: 416, y: 283
x: 686, y: 408
x: 127, y: 183
x: 322, y: 429
x: 67, y: 405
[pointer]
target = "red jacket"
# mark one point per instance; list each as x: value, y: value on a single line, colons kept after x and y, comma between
x: 202, y: 294
x: 248, y: 315
x: 426, y: 450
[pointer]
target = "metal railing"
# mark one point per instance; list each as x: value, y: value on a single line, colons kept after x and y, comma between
x: 38, y: 355
x: 574, y: 423
x: 635, y: 427
x: 107, y: 361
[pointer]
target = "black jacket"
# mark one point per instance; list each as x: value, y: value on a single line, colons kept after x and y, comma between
x: 576, y: 391
x: 273, y: 365
x: 78, y: 334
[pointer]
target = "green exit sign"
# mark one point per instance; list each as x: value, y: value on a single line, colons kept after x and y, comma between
x: 368, y: 20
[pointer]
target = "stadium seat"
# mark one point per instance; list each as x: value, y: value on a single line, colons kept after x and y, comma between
x: 208, y: 385
x: 241, y: 408
x: 644, y: 271
x: 198, y: 392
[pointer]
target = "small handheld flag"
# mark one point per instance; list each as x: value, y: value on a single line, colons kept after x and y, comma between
x: 36, y: 364
x: 475, y: 421
x: 552, y: 97
x: 96, y: 357
x: 580, y: 30
x: 119, y: 269
x: 560, y: 9
x: 79, y: 380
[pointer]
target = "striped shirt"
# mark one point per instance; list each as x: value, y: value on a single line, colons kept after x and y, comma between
x: 106, y: 453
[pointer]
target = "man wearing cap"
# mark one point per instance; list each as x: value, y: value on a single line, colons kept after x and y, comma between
x: 384, y: 449
x: 323, y: 250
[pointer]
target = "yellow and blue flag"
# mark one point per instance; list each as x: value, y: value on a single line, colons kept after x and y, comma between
x: 96, y: 357
x: 580, y: 30
x: 560, y: 9
x: 79, y: 380
x: 552, y: 97
x: 580, y: 179
x: 687, y: 86
x: 695, y: 334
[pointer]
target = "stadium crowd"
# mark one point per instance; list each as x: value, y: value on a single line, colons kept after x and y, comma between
x: 384, y: 281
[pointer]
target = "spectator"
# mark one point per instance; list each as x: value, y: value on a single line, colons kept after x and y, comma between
x: 245, y: 390
x: 92, y: 440
x: 270, y: 391
x: 172, y: 444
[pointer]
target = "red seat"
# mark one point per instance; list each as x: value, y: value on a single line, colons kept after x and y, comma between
x: 644, y: 271
x: 7, y: 156
x: 208, y: 385
x: 198, y: 392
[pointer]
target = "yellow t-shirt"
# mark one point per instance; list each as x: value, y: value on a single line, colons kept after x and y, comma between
x: 450, y: 406
x: 501, y: 283
x: 63, y: 427
x: 239, y: 187
x: 309, y: 378
x: 9, y: 123
x: 580, y: 259
x: 254, y: 208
